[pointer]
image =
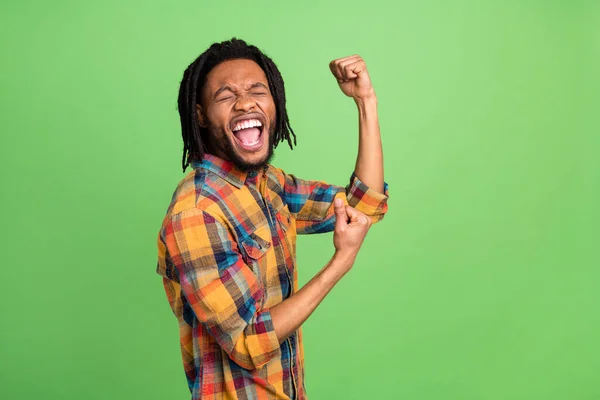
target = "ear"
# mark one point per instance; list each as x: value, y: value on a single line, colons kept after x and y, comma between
x: 200, y: 116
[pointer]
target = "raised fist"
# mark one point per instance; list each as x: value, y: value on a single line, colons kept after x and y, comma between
x: 352, y: 76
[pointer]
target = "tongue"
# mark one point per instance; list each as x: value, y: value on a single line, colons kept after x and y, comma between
x: 248, y: 136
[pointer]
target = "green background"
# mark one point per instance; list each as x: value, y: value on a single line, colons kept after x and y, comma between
x: 483, y: 280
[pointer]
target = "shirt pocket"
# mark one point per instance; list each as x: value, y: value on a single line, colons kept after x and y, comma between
x: 255, y: 247
x: 254, y: 253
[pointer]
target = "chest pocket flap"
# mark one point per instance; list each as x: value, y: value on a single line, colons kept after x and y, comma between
x: 255, y: 246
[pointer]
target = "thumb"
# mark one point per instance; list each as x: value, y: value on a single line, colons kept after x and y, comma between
x: 341, y: 218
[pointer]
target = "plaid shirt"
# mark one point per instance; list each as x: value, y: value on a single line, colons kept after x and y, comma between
x: 227, y: 253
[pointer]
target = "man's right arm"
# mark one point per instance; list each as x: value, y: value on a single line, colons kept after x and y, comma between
x: 223, y: 292
x: 225, y: 295
x: 351, y: 227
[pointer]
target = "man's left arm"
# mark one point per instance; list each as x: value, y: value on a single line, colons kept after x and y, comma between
x: 311, y: 202
x: 354, y: 81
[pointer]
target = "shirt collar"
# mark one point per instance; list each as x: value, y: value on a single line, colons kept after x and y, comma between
x: 224, y: 169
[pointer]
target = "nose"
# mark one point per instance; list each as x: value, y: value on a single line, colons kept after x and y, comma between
x: 244, y: 103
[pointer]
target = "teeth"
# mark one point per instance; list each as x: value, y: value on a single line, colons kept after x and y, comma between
x: 249, y: 123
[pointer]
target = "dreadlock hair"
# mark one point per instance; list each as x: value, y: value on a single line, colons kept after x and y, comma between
x: 195, y: 138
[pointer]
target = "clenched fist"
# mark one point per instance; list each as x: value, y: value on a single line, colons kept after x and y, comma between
x: 352, y: 76
x: 351, y: 227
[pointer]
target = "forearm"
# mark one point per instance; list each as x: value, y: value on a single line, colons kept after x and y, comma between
x: 291, y: 313
x: 369, y: 162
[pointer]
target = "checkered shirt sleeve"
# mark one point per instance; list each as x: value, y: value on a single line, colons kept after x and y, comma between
x: 311, y: 202
x: 221, y: 289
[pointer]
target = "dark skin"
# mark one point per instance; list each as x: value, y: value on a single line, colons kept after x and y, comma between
x: 237, y: 90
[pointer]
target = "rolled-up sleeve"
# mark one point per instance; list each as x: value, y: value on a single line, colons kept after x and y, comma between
x: 220, y: 288
x: 311, y: 202
x: 367, y: 200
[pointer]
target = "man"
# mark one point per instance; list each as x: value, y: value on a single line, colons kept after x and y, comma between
x: 227, y: 246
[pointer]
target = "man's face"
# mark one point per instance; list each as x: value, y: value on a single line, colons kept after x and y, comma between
x: 238, y: 111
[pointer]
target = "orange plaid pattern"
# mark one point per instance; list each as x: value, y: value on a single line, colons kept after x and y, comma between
x: 227, y: 254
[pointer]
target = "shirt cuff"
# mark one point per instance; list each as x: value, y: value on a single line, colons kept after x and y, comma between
x: 367, y: 200
x: 262, y: 341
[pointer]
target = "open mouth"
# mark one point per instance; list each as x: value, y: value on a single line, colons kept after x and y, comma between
x: 248, y: 133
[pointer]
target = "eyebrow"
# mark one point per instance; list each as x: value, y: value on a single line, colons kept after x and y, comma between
x: 228, y: 88
x: 260, y: 85
x: 221, y: 90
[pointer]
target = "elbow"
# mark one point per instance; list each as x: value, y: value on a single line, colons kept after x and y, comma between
x: 254, y: 351
x: 243, y: 360
x: 378, y: 214
x: 376, y: 218
x: 257, y: 345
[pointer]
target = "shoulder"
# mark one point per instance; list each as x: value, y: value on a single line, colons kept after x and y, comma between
x: 199, y: 190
